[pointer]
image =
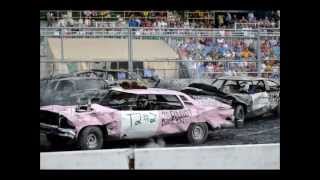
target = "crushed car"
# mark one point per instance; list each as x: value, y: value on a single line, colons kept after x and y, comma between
x: 71, y: 90
x: 134, y: 112
x: 249, y: 96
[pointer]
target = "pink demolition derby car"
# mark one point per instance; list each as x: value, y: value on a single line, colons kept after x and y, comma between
x: 134, y: 114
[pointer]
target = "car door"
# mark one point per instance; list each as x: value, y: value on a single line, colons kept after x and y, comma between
x: 152, y: 116
x: 273, y: 90
x: 141, y: 120
x: 260, y: 98
x: 175, y: 116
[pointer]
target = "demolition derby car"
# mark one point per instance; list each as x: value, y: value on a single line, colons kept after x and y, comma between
x: 126, y: 113
x: 70, y: 90
x: 249, y: 96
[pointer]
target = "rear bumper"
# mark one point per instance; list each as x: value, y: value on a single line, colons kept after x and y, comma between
x: 55, y: 130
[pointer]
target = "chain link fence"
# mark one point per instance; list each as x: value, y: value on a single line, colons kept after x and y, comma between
x: 202, y: 53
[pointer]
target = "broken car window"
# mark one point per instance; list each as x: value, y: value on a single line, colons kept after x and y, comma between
x: 65, y: 85
x: 119, y: 100
x: 258, y: 86
x: 231, y: 87
x: 53, y: 84
x: 185, y: 100
x: 168, y: 102
x: 85, y: 84
x: 217, y: 83
x: 272, y: 85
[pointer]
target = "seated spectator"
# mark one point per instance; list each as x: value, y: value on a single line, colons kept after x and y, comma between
x: 243, y: 20
x: 246, y: 53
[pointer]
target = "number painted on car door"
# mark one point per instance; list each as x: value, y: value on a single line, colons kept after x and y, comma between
x: 139, y: 124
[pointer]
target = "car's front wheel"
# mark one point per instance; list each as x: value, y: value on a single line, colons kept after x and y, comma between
x: 90, y: 138
x: 239, y: 114
x: 197, y: 133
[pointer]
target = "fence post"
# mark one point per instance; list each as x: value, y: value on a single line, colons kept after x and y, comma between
x: 259, y: 53
x: 61, y: 37
x: 130, y: 65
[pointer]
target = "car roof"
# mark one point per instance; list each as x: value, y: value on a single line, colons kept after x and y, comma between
x: 148, y: 91
x: 242, y: 78
x: 79, y: 78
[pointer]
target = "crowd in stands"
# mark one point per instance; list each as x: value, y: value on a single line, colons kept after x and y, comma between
x: 169, y: 19
x: 238, y: 53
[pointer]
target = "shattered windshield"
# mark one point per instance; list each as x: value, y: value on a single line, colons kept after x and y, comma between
x: 85, y: 84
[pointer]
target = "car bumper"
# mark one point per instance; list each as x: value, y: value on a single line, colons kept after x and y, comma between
x: 55, y: 130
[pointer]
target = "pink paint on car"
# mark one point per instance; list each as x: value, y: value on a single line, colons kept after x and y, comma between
x: 135, y: 114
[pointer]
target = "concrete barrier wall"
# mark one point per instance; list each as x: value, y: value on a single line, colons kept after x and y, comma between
x: 264, y: 156
x: 98, y: 159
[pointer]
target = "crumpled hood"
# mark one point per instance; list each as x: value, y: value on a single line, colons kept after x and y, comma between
x: 70, y: 111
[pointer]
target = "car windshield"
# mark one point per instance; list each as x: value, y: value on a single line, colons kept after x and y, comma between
x: 217, y: 83
x: 85, y: 84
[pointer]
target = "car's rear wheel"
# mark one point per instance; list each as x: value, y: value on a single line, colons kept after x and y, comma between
x: 239, y: 114
x: 197, y: 133
x: 90, y: 138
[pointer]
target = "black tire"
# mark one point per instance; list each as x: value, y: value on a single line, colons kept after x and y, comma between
x: 197, y: 133
x: 90, y: 138
x: 278, y: 111
x: 239, y: 115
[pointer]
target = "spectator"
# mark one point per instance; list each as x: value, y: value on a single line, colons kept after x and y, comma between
x: 220, y: 20
x: 228, y: 19
x: 246, y: 53
x: 137, y: 22
x: 87, y: 13
x: 50, y: 19
x: 251, y: 17
x: 243, y: 20
x: 132, y: 22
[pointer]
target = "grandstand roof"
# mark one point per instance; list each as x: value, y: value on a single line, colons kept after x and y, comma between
x: 110, y: 49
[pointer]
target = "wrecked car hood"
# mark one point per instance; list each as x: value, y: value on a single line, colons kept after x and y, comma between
x: 208, y: 90
x: 99, y: 115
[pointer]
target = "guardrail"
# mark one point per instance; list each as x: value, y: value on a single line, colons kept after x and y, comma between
x: 157, y: 32
x: 260, y: 156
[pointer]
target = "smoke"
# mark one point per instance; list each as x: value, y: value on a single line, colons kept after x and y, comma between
x: 155, y: 144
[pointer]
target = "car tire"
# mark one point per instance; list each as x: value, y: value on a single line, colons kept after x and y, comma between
x: 197, y: 133
x: 278, y: 110
x: 239, y: 115
x: 90, y: 138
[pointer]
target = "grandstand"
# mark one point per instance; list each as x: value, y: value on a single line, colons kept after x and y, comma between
x: 172, y: 44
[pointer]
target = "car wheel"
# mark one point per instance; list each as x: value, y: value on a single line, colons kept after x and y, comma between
x: 239, y: 115
x: 90, y: 138
x: 197, y: 133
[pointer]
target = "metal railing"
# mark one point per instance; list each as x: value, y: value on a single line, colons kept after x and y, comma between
x: 194, y: 69
x: 152, y: 31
